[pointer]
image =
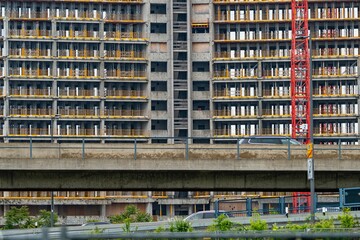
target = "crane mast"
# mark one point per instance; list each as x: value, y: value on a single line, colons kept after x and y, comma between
x: 300, y: 72
x: 300, y: 87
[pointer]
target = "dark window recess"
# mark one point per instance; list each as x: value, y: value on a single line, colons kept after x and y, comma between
x: 158, y: 27
x: 201, y: 105
x: 158, y: 124
x: 158, y: 106
x: 158, y: 86
x: 158, y: 66
x: 201, y: 86
x: 201, y: 124
x: 156, y: 8
x: 201, y: 67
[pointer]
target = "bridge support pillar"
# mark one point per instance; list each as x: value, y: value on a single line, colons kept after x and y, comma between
x: 103, y: 211
x: 249, y: 207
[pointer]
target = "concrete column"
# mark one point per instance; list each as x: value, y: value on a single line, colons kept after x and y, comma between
x: 103, y: 212
x: 149, y: 208
x: 191, y: 209
x: 358, y: 99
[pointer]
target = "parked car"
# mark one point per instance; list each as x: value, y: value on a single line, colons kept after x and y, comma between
x: 269, y: 140
x: 206, y: 215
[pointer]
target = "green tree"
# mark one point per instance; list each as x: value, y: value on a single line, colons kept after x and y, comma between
x: 222, y: 224
x: 44, y: 218
x: 18, y: 218
x: 132, y: 213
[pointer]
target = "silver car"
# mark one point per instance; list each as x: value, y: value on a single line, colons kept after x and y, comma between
x: 206, y: 215
x: 269, y: 140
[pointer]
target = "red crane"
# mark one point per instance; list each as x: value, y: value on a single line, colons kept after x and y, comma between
x: 300, y: 71
x: 300, y: 87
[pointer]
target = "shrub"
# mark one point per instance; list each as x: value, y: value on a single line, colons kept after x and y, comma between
x: 221, y: 223
x: 180, y: 226
x: 257, y: 224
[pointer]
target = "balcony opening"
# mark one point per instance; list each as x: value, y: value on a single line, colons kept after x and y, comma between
x: 158, y: 124
x: 201, y: 86
x: 201, y: 124
x: 157, y: 8
x: 158, y: 66
x: 201, y: 105
x: 158, y: 106
x: 201, y: 66
x: 158, y: 27
x: 158, y: 86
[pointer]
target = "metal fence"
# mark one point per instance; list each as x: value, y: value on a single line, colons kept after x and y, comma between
x: 185, y: 149
x: 66, y: 234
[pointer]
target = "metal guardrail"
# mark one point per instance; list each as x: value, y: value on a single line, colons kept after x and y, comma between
x: 66, y: 234
x: 230, y: 146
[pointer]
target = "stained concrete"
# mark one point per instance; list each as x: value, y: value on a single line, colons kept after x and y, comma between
x: 164, y: 167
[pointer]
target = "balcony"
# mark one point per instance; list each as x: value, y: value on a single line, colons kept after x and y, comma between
x: 83, y: 73
x: 333, y: 111
x: 30, y: 92
x: 276, y: 93
x: 29, y: 132
x: 30, y: 73
x: 30, y: 15
x: 133, y: 18
x: 277, y: 112
x: 78, y: 54
x: 252, y: 55
x: 78, y: 113
x: 130, y: 36
x: 30, y: 112
x: 126, y: 132
x: 77, y: 15
x: 229, y: 114
x: 118, y: 74
x: 30, y: 53
x: 248, y: 93
x: 82, y: 34
x: 125, y: 94
x: 78, y: 93
x: 249, y: 73
x: 229, y: 133
x: 120, y: 113
x: 124, y: 55
x: 79, y: 132
x: 335, y: 91
x: 34, y: 33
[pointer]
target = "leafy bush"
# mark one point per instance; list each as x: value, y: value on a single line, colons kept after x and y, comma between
x: 257, y: 224
x: 180, y: 225
x: 324, y: 224
x: 347, y: 220
x: 44, y: 218
x: 18, y: 218
x: 221, y: 223
x: 131, y: 214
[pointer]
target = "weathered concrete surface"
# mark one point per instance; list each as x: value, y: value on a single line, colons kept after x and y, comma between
x: 163, y: 167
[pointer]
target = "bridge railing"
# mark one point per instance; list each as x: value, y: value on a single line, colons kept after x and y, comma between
x: 277, y: 205
x: 144, y: 148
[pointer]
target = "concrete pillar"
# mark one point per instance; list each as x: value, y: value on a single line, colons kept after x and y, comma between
x: 191, y: 209
x: 149, y: 208
x: 169, y: 210
x: 103, y: 212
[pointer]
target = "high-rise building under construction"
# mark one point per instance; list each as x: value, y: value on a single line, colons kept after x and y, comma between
x: 103, y: 69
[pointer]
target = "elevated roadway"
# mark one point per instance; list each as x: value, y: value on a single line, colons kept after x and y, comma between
x: 174, y: 167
